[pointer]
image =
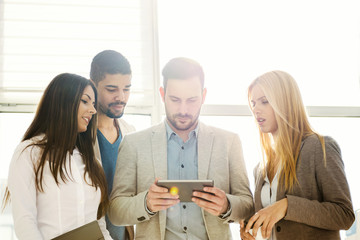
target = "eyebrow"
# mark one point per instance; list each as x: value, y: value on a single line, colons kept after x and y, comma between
x: 111, y: 86
x: 194, y: 97
x: 171, y: 96
x: 261, y: 98
x: 114, y: 86
x: 87, y: 96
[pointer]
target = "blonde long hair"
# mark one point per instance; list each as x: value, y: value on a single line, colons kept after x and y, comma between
x: 283, y: 94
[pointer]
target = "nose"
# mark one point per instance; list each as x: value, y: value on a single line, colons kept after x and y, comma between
x: 92, y: 109
x: 120, y: 96
x: 256, y: 109
x: 183, y: 108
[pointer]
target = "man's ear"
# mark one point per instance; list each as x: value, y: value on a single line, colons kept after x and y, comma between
x: 204, y: 95
x: 162, y: 93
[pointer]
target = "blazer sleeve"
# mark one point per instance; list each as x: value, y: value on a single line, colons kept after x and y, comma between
x: 334, y: 210
x: 240, y: 196
x: 21, y: 183
x: 127, y: 206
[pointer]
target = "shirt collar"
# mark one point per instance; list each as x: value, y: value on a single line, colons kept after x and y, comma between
x: 170, y: 132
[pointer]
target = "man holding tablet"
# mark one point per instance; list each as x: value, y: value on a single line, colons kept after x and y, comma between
x: 181, y: 148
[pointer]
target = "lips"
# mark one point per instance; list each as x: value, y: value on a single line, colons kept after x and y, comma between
x: 118, y: 106
x: 183, y: 119
x: 260, y: 120
x: 87, y: 119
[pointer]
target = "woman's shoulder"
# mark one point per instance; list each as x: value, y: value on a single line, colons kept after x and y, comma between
x: 314, y: 139
x: 31, y: 142
x: 29, y: 146
x: 314, y: 142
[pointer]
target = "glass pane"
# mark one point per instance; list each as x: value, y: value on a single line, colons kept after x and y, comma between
x: 40, y: 40
x: 236, y: 41
x: 140, y: 122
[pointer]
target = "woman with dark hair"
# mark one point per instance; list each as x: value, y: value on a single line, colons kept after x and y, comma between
x: 55, y: 182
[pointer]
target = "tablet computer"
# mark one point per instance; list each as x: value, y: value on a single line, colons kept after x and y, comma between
x: 185, y: 188
x: 90, y: 231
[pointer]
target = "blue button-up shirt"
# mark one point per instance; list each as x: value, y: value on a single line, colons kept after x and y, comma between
x: 184, y: 220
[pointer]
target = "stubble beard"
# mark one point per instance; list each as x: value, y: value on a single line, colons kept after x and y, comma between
x: 107, y: 110
x: 173, y: 122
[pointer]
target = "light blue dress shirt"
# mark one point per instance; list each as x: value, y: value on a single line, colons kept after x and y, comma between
x: 184, y: 220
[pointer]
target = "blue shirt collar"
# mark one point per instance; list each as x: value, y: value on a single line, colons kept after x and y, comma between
x: 170, y: 132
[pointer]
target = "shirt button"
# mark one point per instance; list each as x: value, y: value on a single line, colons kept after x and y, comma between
x: 185, y: 228
x: 182, y: 165
x: 278, y: 228
x: 141, y: 218
x: 182, y: 147
x: 184, y: 206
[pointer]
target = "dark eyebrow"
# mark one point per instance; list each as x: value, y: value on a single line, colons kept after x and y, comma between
x: 114, y: 86
x: 111, y: 86
x: 87, y: 96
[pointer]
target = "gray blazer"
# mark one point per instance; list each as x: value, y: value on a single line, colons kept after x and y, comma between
x: 125, y: 128
x: 143, y: 156
x: 320, y: 205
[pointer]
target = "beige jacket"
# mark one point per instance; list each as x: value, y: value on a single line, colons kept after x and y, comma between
x: 143, y: 157
x: 320, y: 205
x: 125, y: 128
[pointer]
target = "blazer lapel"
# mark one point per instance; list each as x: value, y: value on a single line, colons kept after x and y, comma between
x: 259, y: 182
x: 159, y: 157
x: 159, y: 151
x: 205, y: 144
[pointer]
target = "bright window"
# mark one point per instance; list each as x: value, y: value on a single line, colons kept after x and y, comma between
x: 317, y: 42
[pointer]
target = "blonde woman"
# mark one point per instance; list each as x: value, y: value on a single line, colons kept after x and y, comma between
x: 301, y: 191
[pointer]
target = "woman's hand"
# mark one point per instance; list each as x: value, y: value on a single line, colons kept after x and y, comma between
x: 245, y: 235
x: 267, y: 217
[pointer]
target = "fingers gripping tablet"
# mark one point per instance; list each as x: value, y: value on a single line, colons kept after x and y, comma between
x: 185, y: 188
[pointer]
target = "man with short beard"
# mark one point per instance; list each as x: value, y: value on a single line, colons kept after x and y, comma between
x: 181, y: 148
x: 111, y: 73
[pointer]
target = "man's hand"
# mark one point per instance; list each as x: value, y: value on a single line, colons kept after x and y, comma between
x: 159, y: 198
x: 215, y: 203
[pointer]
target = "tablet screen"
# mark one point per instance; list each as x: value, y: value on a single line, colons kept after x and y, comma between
x: 185, y: 188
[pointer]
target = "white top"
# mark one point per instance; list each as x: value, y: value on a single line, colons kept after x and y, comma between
x: 268, y: 196
x: 57, y: 210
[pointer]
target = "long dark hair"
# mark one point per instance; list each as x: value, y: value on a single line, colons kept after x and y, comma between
x: 56, y: 120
